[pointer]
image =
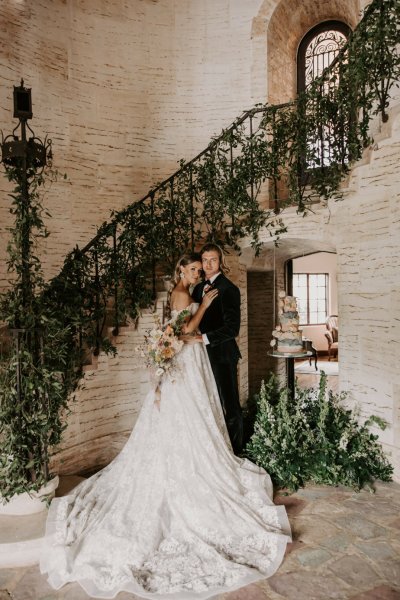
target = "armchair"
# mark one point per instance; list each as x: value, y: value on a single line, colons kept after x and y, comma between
x: 332, y: 335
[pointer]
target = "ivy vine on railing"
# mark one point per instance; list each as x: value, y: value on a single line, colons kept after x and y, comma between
x: 304, y: 148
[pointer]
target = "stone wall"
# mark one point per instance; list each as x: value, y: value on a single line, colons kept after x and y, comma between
x: 260, y: 326
x: 106, y: 404
x: 364, y: 230
x: 125, y: 90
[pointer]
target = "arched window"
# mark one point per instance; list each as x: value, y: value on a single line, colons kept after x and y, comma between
x: 318, y: 49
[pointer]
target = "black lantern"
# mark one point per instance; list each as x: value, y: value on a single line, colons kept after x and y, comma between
x: 24, y: 153
x: 22, y: 102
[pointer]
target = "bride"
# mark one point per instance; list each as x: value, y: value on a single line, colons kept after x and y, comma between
x: 176, y: 515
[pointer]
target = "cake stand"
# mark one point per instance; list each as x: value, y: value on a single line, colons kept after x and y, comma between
x: 290, y: 379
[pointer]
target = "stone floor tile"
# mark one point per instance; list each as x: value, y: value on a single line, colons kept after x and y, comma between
x: 361, y: 527
x: 73, y: 591
x: 310, y: 529
x: 314, y: 492
x: 337, y: 543
x: 376, y: 550
x: 293, y: 547
x: 309, y: 585
x: 313, y: 557
x: 379, y: 511
x: 382, y: 592
x: 32, y: 586
x: 9, y: 577
x: 324, y: 508
x: 395, y: 523
x: 294, y: 506
x: 390, y: 571
x: 249, y: 592
x: 355, y: 571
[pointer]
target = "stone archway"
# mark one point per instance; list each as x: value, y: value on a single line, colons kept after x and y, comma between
x: 289, y: 22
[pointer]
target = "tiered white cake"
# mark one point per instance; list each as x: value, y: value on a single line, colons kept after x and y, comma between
x: 287, y: 334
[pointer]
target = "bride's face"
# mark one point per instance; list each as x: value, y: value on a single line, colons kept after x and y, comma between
x: 192, y: 272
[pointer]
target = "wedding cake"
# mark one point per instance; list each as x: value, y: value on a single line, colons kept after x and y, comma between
x: 287, y: 336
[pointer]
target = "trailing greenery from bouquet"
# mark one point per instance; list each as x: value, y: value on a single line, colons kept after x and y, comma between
x: 37, y: 371
x: 315, y: 438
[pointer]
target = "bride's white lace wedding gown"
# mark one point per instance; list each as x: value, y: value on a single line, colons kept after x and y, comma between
x: 176, y: 515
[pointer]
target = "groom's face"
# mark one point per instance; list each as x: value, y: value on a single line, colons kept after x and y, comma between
x: 211, y: 263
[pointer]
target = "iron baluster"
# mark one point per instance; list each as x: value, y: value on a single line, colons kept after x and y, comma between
x: 80, y: 288
x: 191, y: 194
x: 275, y: 162
x: 321, y: 131
x: 16, y: 334
x: 153, y: 257
x: 231, y: 174
x: 45, y: 397
x: 97, y: 302
x: 251, y: 160
x: 173, y: 240
x: 115, y: 262
x: 384, y: 86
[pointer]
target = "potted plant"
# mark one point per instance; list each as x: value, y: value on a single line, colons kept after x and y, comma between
x: 33, y: 387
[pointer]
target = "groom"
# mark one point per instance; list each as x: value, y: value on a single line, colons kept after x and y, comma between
x: 219, y: 327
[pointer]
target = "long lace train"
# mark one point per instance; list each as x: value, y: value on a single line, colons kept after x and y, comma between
x: 176, y: 515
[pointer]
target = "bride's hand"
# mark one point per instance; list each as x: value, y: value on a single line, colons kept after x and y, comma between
x: 209, y: 297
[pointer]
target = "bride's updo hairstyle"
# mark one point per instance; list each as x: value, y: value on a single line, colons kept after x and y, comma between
x: 211, y: 246
x: 184, y: 261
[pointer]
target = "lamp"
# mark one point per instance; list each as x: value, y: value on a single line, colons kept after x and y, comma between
x: 16, y: 152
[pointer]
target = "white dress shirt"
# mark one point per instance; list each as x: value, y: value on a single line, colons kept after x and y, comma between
x: 211, y: 280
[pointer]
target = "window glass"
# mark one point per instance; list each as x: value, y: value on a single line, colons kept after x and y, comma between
x: 311, y: 291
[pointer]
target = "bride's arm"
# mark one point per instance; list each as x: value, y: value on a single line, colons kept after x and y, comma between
x: 193, y: 322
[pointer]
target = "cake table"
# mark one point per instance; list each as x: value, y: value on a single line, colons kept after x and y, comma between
x: 290, y: 378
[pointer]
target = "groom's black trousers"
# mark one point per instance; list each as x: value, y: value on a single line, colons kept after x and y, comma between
x: 226, y: 379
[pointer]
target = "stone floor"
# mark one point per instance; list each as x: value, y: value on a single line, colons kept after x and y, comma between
x: 346, y: 547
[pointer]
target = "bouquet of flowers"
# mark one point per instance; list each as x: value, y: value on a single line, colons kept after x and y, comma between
x: 162, y: 344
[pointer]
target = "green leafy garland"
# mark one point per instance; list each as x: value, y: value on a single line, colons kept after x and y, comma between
x: 37, y: 372
x: 314, y: 438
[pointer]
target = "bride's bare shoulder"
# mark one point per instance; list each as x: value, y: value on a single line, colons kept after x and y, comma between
x: 180, y: 300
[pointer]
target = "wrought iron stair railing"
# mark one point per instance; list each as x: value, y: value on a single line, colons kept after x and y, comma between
x: 216, y: 194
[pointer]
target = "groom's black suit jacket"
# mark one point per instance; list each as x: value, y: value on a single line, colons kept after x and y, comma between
x: 221, y: 321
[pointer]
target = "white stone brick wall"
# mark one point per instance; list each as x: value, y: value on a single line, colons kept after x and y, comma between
x: 364, y: 229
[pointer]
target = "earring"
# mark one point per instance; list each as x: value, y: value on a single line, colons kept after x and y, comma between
x: 181, y: 274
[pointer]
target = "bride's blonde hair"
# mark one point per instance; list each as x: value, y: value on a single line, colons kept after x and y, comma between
x: 186, y: 259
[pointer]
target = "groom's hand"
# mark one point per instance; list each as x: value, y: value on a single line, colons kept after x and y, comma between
x: 191, y: 339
